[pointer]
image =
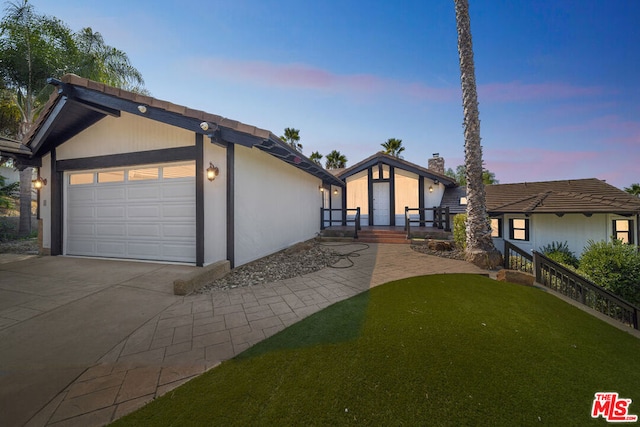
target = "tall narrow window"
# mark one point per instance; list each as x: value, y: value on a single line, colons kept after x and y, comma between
x: 519, y: 229
x: 496, y: 227
x: 623, y: 230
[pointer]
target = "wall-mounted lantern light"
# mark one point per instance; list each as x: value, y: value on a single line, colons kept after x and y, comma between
x: 212, y: 172
x: 335, y: 192
x: 431, y: 189
x: 39, y: 182
x: 321, y: 189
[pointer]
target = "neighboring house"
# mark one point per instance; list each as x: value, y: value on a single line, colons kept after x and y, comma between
x: 534, y: 214
x: 383, y: 185
x: 126, y: 177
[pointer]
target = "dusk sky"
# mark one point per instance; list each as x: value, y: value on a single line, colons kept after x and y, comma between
x: 557, y: 79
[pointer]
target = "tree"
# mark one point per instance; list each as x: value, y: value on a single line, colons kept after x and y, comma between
x: 315, y: 157
x: 106, y: 64
x: 34, y: 47
x: 335, y: 160
x: 634, y: 189
x: 292, y: 136
x: 460, y: 175
x: 393, y: 147
x: 480, y: 249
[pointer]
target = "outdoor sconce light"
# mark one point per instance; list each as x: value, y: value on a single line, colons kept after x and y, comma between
x: 212, y: 172
x: 335, y: 192
x: 39, y: 182
x: 142, y: 108
x: 205, y: 126
x: 321, y: 189
x: 431, y: 189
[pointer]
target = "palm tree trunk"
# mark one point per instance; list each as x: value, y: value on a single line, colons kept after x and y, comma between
x: 480, y: 248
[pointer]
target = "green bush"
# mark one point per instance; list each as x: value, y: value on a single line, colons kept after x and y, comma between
x: 460, y: 230
x: 560, y: 253
x: 614, y: 266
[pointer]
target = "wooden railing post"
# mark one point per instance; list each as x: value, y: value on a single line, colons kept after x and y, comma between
x: 321, y: 218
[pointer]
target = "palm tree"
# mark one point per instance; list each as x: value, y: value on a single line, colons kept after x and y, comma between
x: 292, y: 136
x: 315, y: 157
x: 480, y: 249
x: 103, y: 63
x: 34, y: 47
x: 393, y: 147
x: 634, y: 189
x: 335, y: 160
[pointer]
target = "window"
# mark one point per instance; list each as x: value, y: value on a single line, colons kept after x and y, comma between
x: 519, y: 229
x: 496, y: 227
x: 113, y: 176
x: 181, y: 171
x: 81, y: 178
x: 143, y: 174
x: 623, y: 230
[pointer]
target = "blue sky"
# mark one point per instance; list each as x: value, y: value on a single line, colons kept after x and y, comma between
x: 557, y: 79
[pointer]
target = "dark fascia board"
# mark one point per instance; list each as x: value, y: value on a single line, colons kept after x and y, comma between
x: 280, y: 150
x: 97, y: 100
x: 38, y: 140
x: 389, y: 160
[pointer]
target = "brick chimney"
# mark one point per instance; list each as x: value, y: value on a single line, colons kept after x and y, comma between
x: 436, y: 163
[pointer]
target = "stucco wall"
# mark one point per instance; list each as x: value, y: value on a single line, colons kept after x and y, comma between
x: 215, y: 204
x: 575, y: 229
x: 358, y: 195
x: 406, y: 194
x: 125, y: 134
x: 276, y: 205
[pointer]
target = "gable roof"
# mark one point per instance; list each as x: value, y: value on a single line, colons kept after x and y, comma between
x: 380, y: 157
x: 584, y: 196
x: 78, y: 103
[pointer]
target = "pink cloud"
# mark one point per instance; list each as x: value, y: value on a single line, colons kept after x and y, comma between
x: 538, y: 164
x: 301, y: 76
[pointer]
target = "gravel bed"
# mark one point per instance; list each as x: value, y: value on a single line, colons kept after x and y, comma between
x: 454, y: 254
x: 303, y: 258
x: 23, y: 246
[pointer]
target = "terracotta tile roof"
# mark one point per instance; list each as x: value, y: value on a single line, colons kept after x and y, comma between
x: 570, y: 196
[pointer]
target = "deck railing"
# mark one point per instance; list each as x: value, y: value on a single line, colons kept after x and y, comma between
x: 517, y: 259
x: 441, y: 218
x: 559, y: 278
x: 567, y: 282
x: 343, y: 219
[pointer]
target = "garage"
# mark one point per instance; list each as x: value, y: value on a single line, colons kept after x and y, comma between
x: 144, y: 212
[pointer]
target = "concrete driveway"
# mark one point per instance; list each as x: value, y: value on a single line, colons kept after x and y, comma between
x: 84, y: 342
x: 59, y: 316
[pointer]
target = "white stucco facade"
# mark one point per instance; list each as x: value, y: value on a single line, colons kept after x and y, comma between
x: 276, y: 205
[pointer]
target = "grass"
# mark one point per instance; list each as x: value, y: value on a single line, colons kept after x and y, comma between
x: 433, y: 350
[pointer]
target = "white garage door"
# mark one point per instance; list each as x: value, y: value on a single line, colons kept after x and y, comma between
x: 145, y: 212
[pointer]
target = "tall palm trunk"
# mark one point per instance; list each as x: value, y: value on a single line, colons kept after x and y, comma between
x: 480, y: 248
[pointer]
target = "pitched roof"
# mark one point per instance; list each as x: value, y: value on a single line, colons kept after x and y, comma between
x: 396, y: 162
x: 79, y: 103
x: 569, y: 196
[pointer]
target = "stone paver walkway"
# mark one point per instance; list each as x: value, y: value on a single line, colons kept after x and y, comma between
x: 198, y: 332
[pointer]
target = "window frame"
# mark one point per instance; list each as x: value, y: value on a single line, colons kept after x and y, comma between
x: 526, y: 229
x: 629, y: 232
x: 499, y: 227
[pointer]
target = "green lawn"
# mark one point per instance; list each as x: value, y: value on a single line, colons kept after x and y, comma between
x: 433, y: 350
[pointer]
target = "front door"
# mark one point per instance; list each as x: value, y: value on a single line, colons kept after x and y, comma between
x: 381, y: 203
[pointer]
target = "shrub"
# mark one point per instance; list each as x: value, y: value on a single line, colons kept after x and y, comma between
x: 460, y: 231
x: 614, y: 266
x: 560, y: 253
